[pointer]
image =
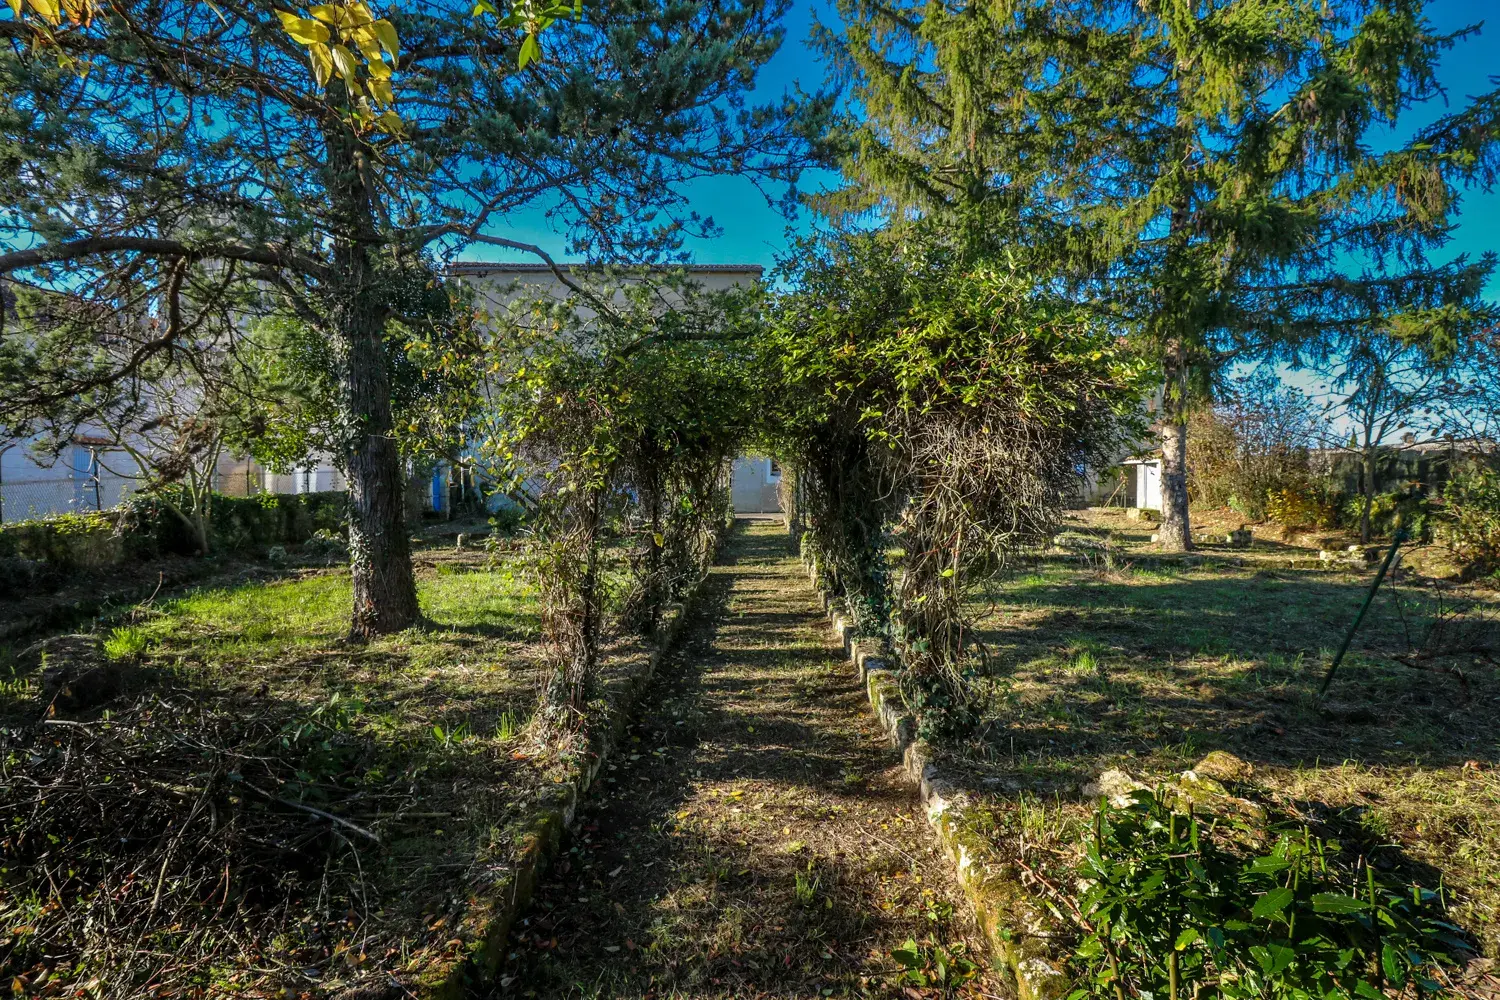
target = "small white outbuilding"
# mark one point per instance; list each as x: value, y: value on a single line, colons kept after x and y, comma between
x: 1146, y: 480
x: 753, y: 486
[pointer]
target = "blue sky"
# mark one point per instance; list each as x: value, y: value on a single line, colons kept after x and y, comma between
x: 752, y: 232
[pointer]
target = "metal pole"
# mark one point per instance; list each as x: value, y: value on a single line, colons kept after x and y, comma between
x: 94, y: 469
x: 1349, y: 635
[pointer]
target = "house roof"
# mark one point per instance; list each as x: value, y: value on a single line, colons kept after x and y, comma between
x: 1464, y: 445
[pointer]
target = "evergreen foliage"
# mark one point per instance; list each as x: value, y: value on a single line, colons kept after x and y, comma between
x: 1202, y: 172
x: 197, y: 168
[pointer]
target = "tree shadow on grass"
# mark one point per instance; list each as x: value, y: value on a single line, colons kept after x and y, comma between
x: 1094, y: 666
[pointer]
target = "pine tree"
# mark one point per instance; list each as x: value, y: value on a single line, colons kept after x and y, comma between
x: 1201, y: 170
x: 197, y: 161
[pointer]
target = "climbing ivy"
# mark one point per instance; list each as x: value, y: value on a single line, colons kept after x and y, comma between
x: 616, y: 429
x: 936, y: 397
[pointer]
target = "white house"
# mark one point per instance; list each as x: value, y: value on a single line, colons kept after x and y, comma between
x: 87, y: 477
x: 754, y: 485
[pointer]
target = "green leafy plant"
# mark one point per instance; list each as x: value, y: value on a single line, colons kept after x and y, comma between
x: 511, y: 723
x: 1178, y: 905
x: 805, y: 887
x: 451, y: 736
x: 1469, y: 525
x: 933, y: 966
x: 323, y: 735
x: 1411, y: 509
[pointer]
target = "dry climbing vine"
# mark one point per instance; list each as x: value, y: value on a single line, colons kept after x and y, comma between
x: 619, y: 431
x: 938, y: 403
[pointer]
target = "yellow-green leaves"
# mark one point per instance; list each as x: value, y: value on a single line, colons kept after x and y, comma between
x: 533, y: 18
x: 47, y: 10
x: 51, y: 13
x: 530, y: 49
x: 322, y: 64
x: 41, y: 17
x: 344, y: 63
x: 303, y: 30
x: 345, y: 41
x: 385, y: 34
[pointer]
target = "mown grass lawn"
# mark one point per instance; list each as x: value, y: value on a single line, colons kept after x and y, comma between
x: 1147, y: 663
x: 262, y: 805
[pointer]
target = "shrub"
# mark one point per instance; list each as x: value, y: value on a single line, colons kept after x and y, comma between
x: 1175, y: 908
x: 1469, y: 524
x: 1252, y: 444
x: 508, y: 519
x: 1303, y: 504
x: 41, y: 555
x: 1412, y: 509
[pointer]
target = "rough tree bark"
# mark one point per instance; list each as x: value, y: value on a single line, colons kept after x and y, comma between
x: 1367, y: 474
x: 385, y: 589
x: 1176, y: 533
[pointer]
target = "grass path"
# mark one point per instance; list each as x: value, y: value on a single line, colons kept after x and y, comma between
x: 754, y: 836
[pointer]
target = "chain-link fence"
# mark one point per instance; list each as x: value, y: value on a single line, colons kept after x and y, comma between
x: 250, y: 480
x: 24, y: 499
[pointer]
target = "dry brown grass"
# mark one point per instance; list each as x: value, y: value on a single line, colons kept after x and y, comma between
x: 1149, y: 662
x: 264, y: 806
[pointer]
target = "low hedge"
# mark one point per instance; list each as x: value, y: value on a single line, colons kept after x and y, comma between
x: 42, y: 553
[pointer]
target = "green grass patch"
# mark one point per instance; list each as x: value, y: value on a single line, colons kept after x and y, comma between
x: 328, y: 804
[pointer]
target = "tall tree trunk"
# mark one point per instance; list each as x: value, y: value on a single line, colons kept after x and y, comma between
x: 1176, y: 534
x: 385, y: 589
x: 1368, y: 475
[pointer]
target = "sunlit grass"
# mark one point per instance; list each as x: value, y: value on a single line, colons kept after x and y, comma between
x: 278, y: 617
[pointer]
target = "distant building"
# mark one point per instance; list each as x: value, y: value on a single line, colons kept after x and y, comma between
x: 89, y: 475
x: 755, y: 485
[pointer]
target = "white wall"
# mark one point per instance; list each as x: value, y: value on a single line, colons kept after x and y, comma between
x: 753, y: 486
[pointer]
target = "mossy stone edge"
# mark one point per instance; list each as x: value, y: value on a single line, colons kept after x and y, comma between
x: 486, y: 929
x: 1017, y: 926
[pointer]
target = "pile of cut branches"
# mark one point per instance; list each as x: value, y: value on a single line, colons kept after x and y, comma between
x: 183, y: 843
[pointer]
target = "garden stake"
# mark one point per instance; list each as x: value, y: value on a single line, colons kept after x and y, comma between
x: 1349, y: 636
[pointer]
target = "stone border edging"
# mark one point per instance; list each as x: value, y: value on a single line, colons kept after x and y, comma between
x: 1014, y: 926
x: 486, y: 927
